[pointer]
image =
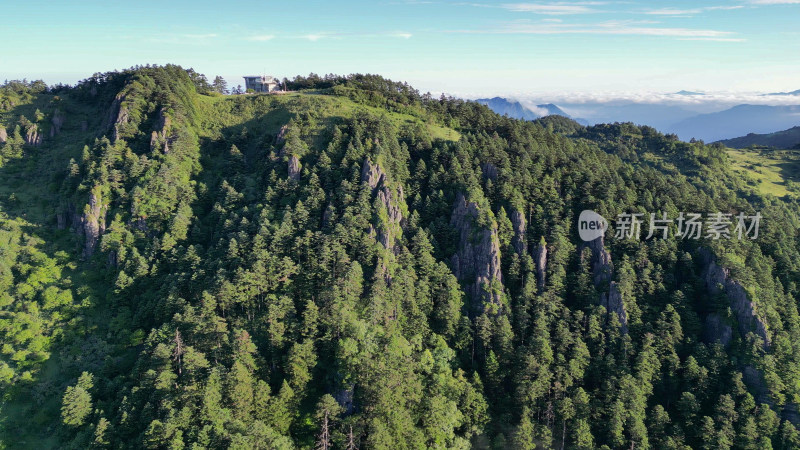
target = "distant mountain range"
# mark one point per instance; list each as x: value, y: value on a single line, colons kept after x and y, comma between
x: 687, y: 121
x: 737, y: 121
x: 786, y: 139
x: 797, y: 92
x: 517, y: 110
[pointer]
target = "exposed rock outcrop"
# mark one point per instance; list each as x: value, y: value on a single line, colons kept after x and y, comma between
x: 118, y: 116
x: 602, y: 272
x: 294, y: 168
x: 374, y: 176
x: 57, y: 122
x: 489, y: 171
x: 160, y: 135
x: 602, y: 267
x: 715, y: 329
x: 612, y: 301
x: 93, y: 222
x: 477, y: 262
x: 32, y: 135
x: 540, y: 260
x: 718, y: 281
x: 281, y: 137
x: 519, y: 241
x: 3, y: 135
x: 67, y: 217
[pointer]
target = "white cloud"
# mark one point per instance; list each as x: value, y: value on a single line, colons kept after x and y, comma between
x: 712, y: 99
x: 673, y: 12
x: 401, y: 35
x: 690, y: 11
x: 313, y: 37
x: 261, y: 38
x: 200, y: 36
x: 714, y: 39
x: 559, y: 8
x: 608, y: 28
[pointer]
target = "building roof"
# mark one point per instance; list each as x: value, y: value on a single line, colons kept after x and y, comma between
x: 264, y: 77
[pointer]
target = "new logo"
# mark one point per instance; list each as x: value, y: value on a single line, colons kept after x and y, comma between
x: 591, y: 225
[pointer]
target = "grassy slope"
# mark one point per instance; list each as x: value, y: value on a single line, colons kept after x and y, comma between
x: 768, y: 171
x: 329, y: 106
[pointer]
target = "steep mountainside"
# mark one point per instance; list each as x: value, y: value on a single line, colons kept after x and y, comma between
x: 355, y: 265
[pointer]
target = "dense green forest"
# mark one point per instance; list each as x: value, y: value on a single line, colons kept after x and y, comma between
x: 354, y: 264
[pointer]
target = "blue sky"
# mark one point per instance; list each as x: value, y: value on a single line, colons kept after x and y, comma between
x: 463, y: 48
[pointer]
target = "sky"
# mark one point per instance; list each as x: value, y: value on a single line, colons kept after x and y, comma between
x: 463, y: 48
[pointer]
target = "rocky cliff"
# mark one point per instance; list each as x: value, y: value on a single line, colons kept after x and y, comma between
x: 602, y: 272
x: 519, y: 241
x: 294, y: 168
x: 118, y: 116
x: 390, y: 198
x: 718, y: 280
x: 477, y: 261
x: 32, y: 135
x: 57, y: 122
x: 93, y: 222
x: 3, y: 135
x: 540, y: 260
x: 160, y: 136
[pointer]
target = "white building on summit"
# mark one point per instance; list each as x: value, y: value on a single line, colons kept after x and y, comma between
x: 260, y: 83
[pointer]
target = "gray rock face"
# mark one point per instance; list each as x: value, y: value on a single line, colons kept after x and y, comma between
x: 93, y: 223
x: 715, y: 329
x: 371, y: 174
x: 57, y: 121
x: 391, y: 198
x: 160, y: 134
x: 294, y: 168
x: 345, y: 398
x: 281, y: 137
x: 477, y: 261
x: 602, y: 272
x: 602, y: 267
x: 67, y: 216
x: 32, y: 136
x: 612, y: 301
x: 519, y: 241
x: 718, y: 281
x: 118, y: 116
x: 489, y: 171
x: 540, y: 260
x: 3, y: 135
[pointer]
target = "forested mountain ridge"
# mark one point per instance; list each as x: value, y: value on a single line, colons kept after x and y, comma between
x: 786, y: 139
x: 356, y: 265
